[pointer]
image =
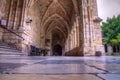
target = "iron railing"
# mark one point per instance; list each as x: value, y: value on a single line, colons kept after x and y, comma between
x: 12, y: 32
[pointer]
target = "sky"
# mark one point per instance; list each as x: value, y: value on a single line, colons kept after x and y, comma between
x: 108, y: 8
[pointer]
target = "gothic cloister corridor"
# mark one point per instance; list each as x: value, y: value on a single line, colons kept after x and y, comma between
x: 56, y: 24
x: 36, y: 26
x: 53, y: 40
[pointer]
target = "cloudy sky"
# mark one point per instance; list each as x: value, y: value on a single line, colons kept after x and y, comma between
x: 108, y: 8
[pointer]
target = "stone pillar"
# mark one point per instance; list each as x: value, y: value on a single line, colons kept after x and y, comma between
x: 4, y: 10
x: 1, y: 34
x: 110, y: 49
x: 119, y: 47
x: 86, y: 24
x: 18, y: 15
x: 12, y: 14
x: 77, y: 30
x: 3, y: 5
x: 92, y: 30
x: 80, y: 30
x: 75, y: 37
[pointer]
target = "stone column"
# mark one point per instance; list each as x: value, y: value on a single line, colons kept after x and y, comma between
x: 18, y: 15
x: 75, y: 37
x: 12, y: 14
x: 3, y: 11
x: 92, y: 30
x: 1, y: 34
x: 118, y: 48
x: 80, y: 30
x: 68, y: 43
x: 97, y: 29
x: 77, y: 30
x: 86, y: 24
x: 110, y: 49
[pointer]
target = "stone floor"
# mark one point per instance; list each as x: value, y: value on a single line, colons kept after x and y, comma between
x: 59, y: 68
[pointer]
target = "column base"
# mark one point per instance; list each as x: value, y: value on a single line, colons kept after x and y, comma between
x: 94, y: 51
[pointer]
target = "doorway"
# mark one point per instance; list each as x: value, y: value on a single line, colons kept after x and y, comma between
x: 57, y: 50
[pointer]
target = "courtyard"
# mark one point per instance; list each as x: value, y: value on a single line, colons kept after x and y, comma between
x: 59, y: 68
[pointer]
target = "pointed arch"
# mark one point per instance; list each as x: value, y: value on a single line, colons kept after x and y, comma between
x: 57, y: 18
x: 53, y: 4
x: 75, y: 3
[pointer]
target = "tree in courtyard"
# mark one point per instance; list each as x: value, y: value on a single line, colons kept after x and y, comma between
x: 111, y: 30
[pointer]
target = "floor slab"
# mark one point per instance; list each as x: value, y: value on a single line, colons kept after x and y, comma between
x: 110, y: 76
x: 59, y: 68
x: 48, y: 77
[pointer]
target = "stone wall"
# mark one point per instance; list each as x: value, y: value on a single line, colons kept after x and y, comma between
x: 73, y: 40
x: 31, y: 30
x: 12, y: 17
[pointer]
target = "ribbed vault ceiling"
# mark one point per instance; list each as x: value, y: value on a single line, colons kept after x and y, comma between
x: 53, y: 14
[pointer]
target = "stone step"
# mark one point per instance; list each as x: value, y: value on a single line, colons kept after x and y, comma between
x: 6, y: 50
x: 7, y: 47
x: 3, y: 44
x: 6, y: 53
x: 11, y: 50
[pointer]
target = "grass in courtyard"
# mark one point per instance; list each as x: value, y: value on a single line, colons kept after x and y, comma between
x: 115, y: 55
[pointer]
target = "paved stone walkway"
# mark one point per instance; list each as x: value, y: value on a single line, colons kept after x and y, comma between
x: 59, y: 68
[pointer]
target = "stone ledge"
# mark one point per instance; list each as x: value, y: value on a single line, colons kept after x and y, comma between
x: 74, y: 52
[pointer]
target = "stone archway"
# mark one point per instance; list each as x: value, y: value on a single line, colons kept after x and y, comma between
x: 71, y: 20
x: 75, y: 22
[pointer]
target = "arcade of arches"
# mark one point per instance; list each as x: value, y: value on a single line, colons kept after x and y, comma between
x: 63, y: 27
